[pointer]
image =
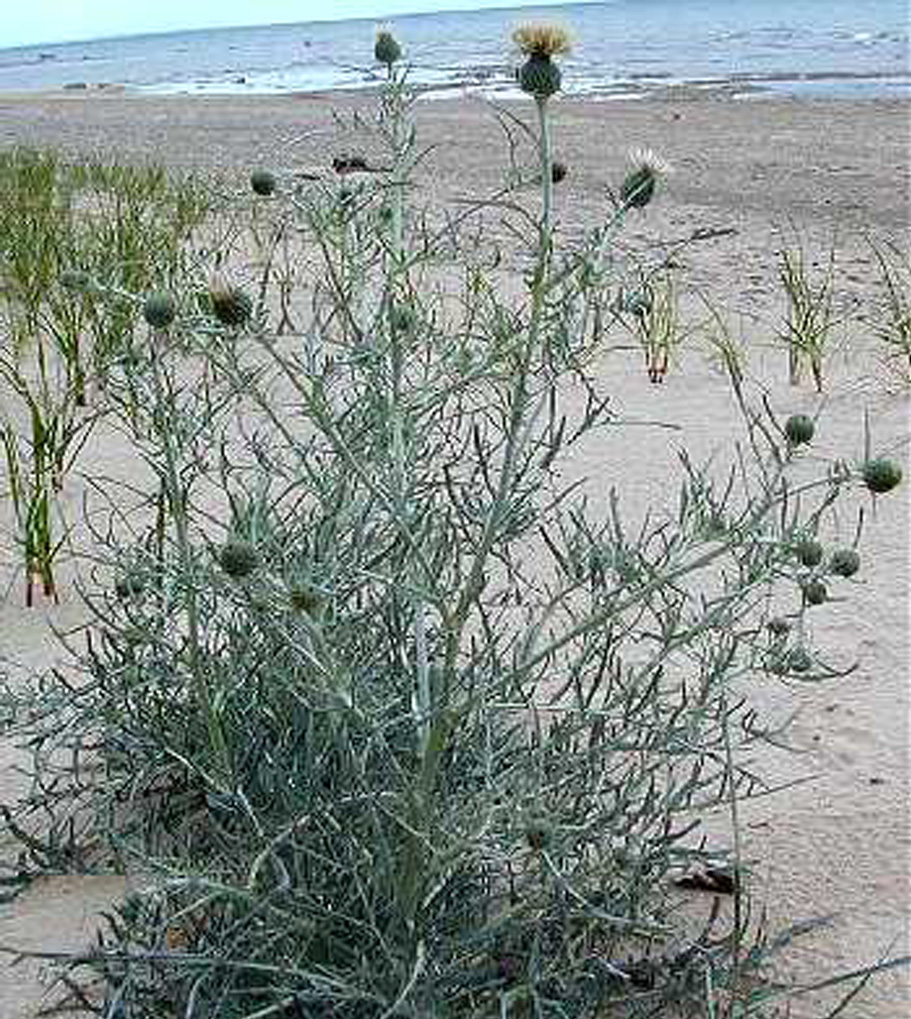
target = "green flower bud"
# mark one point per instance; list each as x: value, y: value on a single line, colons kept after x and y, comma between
x: 262, y: 182
x: 815, y: 592
x: 539, y: 76
x: 799, y: 660
x: 809, y: 552
x: 75, y: 280
x: 403, y: 318
x: 238, y: 558
x: 798, y: 429
x: 845, y: 562
x: 638, y: 188
x: 881, y: 475
x: 386, y: 50
x: 159, y: 310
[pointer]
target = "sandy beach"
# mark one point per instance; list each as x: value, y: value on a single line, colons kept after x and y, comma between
x: 836, y: 845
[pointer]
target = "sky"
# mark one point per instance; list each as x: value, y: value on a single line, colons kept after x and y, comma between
x: 24, y: 23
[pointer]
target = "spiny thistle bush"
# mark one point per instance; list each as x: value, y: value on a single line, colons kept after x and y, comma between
x: 391, y: 718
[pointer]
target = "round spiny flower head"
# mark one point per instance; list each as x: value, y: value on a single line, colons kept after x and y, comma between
x: 230, y: 305
x: 881, y: 475
x: 262, y: 182
x: 799, y: 660
x: 386, y: 48
x: 809, y: 552
x: 159, y: 310
x: 539, y: 76
x: 845, y: 562
x: 638, y: 187
x: 815, y: 592
x: 238, y: 558
x: 799, y: 429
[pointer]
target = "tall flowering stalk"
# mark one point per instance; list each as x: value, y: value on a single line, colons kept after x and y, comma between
x: 387, y: 51
x: 541, y: 78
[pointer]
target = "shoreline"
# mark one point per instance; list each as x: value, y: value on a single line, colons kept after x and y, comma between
x: 779, y: 86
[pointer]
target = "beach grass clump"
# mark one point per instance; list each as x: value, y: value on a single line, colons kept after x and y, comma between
x: 392, y: 718
x: 811, y: 316
x: 892, y: 324
x: 653, y: 309
x: 81, y: 240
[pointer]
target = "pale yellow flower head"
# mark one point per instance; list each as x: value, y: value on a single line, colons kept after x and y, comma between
x: 538, y: 40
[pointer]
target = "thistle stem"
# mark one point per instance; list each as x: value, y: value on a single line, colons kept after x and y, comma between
x: 547, y: 182
x: 423, y: 706
x: 177, y: 498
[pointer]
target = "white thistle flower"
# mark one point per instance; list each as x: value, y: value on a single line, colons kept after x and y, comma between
x: 647, y: 159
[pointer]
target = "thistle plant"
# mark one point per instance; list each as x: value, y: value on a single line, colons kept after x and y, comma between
x: 396, y: 718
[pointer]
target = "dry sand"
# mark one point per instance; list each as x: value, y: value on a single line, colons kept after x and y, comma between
x: 838, y: 845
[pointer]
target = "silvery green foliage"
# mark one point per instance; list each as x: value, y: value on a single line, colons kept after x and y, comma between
x: 435, y: 736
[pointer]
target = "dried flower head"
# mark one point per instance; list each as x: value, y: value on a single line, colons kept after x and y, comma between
x: 229, y: 303
x: 558, y: 171
x: 536, y: 40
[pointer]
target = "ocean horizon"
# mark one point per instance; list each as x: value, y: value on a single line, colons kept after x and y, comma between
x: 622, y: 48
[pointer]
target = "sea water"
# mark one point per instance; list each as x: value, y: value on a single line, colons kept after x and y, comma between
x: 621, y: 48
